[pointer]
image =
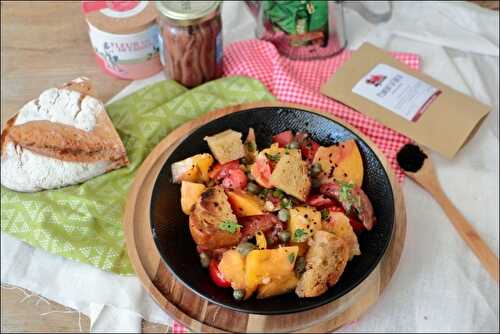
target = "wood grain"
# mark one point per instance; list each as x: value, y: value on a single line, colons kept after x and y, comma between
x: 200, y: 315
x: 44, y: 44
x: 427, y: 178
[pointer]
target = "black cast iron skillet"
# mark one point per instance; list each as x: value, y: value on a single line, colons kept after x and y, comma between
x: 170, y: 225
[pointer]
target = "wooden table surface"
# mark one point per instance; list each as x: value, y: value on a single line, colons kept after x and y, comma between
x: 44, y: 44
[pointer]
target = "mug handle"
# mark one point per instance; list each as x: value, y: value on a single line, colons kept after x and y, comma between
x: 367, y: 14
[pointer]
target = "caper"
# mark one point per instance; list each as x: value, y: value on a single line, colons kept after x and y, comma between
x: 238, y: 294
x: 204, y: 260
x: 283, y: 215
x: 245, y: 247
x: 293, y: 145
x: 253, y: 188
x: 315, y: 169
x: 300, y: 265
x: 315, y: 183
x: 284, y: 236
x: 286, y: 203
x: 278, y: 193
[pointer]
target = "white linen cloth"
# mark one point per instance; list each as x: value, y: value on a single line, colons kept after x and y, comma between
x: 439, y: 284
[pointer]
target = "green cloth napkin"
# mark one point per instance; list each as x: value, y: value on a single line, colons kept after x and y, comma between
x: 84, y: 222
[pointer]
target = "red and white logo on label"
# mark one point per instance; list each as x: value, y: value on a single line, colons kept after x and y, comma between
x: 116, y: 6
x: 376, y: 79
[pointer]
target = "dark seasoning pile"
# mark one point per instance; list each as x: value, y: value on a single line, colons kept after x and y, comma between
x: 411, y: 158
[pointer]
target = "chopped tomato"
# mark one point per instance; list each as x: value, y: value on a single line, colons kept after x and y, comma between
x: 308, y: 149
x: 357, y: 226
x: 253, y: 224
x: 300, y: 137
x: 320, y: 201
x: 216, y: 275
x: 221, y: 171
x: 235, y: 179
x: 336, y: 208
x: 284, y: 138
x: 261, y: 171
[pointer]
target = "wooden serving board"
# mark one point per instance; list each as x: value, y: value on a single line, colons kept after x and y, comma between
x: 199, y: 315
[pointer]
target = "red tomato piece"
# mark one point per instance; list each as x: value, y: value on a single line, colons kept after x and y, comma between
x: 216, y: 275
x: 308, y: 149
x: 336, y: 208
x: 320, y: 201
x: 261, y: 171
x: 235, y: 179
x: 253, y: 224
x: 221, y: 171
x: 284, y: 138
x: 357, y: 226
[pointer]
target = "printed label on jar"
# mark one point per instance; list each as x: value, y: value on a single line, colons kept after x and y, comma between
x: 128, y: 56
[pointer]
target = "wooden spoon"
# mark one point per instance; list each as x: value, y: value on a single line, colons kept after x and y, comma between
x: 426, y: 177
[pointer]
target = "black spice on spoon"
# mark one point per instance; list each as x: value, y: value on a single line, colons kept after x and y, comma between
x: 411, y: 158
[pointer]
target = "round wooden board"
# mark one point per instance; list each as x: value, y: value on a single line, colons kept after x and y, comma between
x: 201, y: 316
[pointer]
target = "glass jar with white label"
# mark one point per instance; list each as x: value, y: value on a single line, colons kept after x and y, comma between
x: 190, y: 40
x: 124, y: 37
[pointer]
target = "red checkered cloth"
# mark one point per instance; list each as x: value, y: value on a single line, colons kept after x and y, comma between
x: 299, y: 82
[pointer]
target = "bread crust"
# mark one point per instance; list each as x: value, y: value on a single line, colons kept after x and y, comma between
x: 94, y: 143
x: 325, y: 262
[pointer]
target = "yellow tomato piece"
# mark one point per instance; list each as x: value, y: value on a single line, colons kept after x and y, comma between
x: 341, y: 162
x: 190, y: 192
x: 260, y: 238
x: 245, y: 204
x: 278, y: 286
x: 232, y: 267
x: 263, y: 266
x: 192, y: 169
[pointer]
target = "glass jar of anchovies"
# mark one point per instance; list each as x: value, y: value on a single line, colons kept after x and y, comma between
x: 190, y: 40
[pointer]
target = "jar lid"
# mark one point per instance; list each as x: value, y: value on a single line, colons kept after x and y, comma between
x: 119, y: 17
x: 187, y: 12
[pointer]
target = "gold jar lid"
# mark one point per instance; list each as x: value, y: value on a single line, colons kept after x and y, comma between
x: 186, y: 13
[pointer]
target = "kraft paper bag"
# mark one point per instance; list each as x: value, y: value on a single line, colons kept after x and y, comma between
x: 412, y: 103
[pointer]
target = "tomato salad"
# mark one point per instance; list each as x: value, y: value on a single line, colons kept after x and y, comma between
x: 280, y: 219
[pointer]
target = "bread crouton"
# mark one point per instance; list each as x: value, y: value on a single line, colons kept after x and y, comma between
x: 325, y: 262
x: 338, y: 224
x: 226, y: 146
x: 291, y: 175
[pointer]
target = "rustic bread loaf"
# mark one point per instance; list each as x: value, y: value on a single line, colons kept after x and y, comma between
x: 63, y: 137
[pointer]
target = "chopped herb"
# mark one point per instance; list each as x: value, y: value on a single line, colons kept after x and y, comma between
x: 291, y: 257
x: 286, y: 203
x: 278, y: 193
x: 345, y: 192
x: 325, y: 214
x: 263, y: 194
x: 251, y: 146
x: 229, y: 226
x: 299, y: 233
x: 273, y: 157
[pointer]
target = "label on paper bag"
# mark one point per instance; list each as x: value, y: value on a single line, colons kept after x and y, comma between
x: 397, y: 91
x: 434, y: 115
